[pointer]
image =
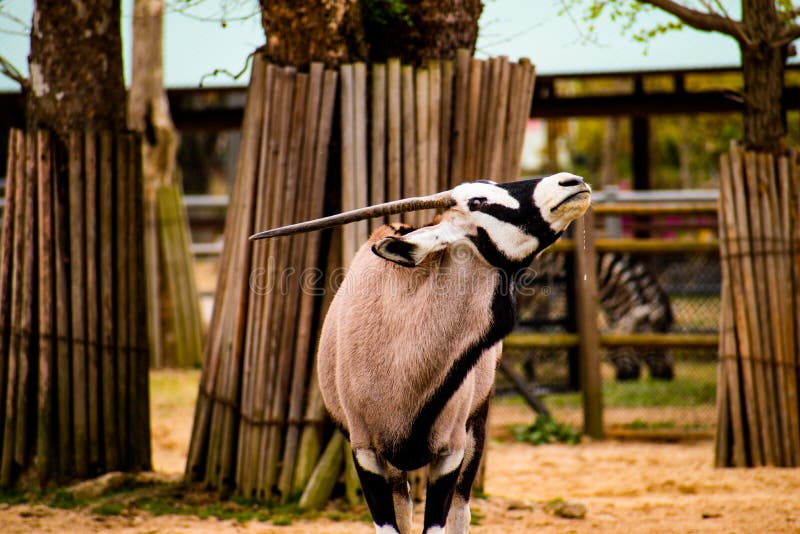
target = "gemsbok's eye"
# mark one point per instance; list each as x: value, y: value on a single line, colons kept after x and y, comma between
x: 476, y: 203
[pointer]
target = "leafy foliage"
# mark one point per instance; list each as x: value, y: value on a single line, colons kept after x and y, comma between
x: 546, y: 430
x: 382, y: 14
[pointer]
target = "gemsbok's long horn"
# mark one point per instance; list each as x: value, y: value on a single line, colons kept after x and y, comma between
x: 439, y: 200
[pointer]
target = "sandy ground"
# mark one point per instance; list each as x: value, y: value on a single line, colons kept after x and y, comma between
x: 628, y: 487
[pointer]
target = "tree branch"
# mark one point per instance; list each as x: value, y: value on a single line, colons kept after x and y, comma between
x: 787, y: 35
x: 709, y: 22
x: 9, y: 70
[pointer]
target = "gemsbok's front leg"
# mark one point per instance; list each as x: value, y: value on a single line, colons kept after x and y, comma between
x: 377, y: 488
x: 442, y: 478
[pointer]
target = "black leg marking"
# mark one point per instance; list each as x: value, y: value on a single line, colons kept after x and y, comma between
x: 378, y: 494
x: 438, y: 499
x: 476, y: 427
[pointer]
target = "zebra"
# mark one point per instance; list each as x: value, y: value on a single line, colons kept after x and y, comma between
x: 632, y: 301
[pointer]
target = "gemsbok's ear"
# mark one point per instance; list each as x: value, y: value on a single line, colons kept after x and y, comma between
x: 411, y: 249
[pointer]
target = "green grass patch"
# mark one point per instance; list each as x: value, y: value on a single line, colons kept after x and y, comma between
x: 546, y: 430
x: 639, y: 424
x: 647, y: 393
x: 64, y: 500
x: 476, y: 516
x: 11, y: 497
x: 109, y: 509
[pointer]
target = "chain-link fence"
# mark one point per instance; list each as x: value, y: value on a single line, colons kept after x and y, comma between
x: 670, y: 292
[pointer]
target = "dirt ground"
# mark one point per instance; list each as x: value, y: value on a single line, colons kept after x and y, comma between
x: 627, y: 487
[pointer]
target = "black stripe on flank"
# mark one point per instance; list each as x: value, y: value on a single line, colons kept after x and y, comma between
x: 414, y: 452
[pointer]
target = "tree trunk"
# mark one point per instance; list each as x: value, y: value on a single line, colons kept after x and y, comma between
x: 76, y: 66
x: 352, y: 30
x: 73, y: 361
x: 763, y: 68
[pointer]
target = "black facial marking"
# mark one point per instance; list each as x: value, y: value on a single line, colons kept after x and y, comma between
x: 413, y: 452
x: 527, y: 218
x: 476, y: 203
x: 378, y: 494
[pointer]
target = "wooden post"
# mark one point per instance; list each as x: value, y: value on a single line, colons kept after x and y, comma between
x: 586, y: 284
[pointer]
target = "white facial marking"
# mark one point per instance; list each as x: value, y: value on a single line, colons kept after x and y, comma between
x: 368, y: 461
x: 436, y: 529
x: 508, y: 238
x: 549, y: 194
x: 492, y: 194
x: 385, y: 529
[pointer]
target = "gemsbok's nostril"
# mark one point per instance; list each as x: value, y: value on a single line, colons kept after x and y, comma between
x: 569, y: 182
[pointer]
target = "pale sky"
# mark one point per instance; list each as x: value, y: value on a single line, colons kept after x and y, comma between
x: 515, y: 28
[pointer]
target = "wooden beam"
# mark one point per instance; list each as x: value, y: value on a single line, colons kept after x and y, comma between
x: 589, y: 335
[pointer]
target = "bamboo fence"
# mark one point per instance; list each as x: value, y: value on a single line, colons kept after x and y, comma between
x: 759, y: 223
x: 73, y: 353
x: 258, y: 428
x: 176, y: 326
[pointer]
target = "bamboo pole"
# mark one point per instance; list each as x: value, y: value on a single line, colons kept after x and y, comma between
x: 16, y: 147
x: 317, y: 133
x: 121, y: 290
x: 66, y: 452
x: 266, y: 358
x: 487, y: 98
x: 265, y: 190
x: 221, y: 447
x: 445, y: 125
x: 77, y: 271
x: 760, y: 304
x: 378, y: 141
x: 348, y: 134
x: 773, y: 243
x: 9, y: 425
x: 235, y: 218
x: 529, y: 79
x: 45, y: 398
x: 472, y: 148
x: 320, y: 485
x: 93, y: 350
x: 745, y: 302
x: 25, y: 366
x: 269, y: 445
x: 309, y: 446
x: 421, y: 87
x: 140, y: 417
x: 462, y: 97
x: 360, y: 137
x: 394, y: 187
x: 107, y: 313
x: 288, y: 310
x: 729, y: 360
x: 434, y: 125
x: 409, y: 162
x: 789, y: 214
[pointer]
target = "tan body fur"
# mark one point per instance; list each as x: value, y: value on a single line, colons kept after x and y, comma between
x: 387, y: 344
